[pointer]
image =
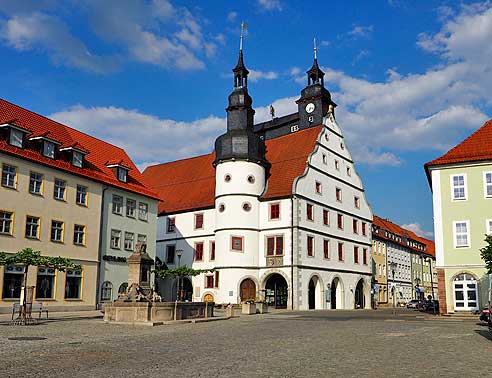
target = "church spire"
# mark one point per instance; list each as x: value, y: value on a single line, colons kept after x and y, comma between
x: 315, y: 74
x: 240, y: 71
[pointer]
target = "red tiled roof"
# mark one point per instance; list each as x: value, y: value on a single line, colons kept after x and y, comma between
x: 389, y: 226
x: 190, y: 183
x: 476, y: 147
x: 99, y: 152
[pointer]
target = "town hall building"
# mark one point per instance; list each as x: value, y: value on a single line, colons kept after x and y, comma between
x: 277, y: 209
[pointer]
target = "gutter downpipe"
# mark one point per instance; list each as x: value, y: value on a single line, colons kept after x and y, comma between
x: 99, y: 254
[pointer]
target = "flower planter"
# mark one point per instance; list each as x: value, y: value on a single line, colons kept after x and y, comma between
x: 248, y: 308
x: 262, y: 308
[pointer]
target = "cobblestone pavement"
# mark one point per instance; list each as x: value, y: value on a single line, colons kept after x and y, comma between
x: 287, y: 344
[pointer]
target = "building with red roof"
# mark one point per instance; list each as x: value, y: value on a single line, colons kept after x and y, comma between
x: 461, y: 184
x: 277, y: 209
x: 410, y: 257
x: 66, y: 193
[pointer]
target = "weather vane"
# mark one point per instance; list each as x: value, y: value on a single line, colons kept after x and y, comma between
x: 243, y: 28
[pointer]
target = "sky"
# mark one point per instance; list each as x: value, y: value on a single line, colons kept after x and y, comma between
x: 411, y: 78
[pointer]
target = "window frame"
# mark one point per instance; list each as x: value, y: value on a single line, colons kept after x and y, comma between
x: 318, y: 187
x: 168, y: 260
x: 357, y: 202
x: 212, y: 250
x: 195, y: 217
x: 241, y: 238
x: 86, y: 195
x: 356, y: 254
x: 12, y: 223
x: 488, y: 229
x: 118, y: 247
x: 326, y: 217
x: 355, y: 226
x: 207, y: 282
x: 341, y: 252
x: 485, y: 183
x: 12, y: 132
x: 41, y: 186
x: 276, y: 238
x: 44, y: 152
x: 338, y: 191
x: 132, y: 248
x: 62, y: 239
x: 146, y: 205
x: 309, y: 214
x: 113, y: 208
x: 64, y: 199
x: 270, y: 211
x: 340, y: 225
x: 128, y: 201
x: 15, y: 178
x: 37, y: 237
x: 465, y: 187
x: 195, y: 257
x: 84, y: 234
x: 169, y: 229
x: 326, y: 249
x: 310, y: 242
x: 468, y: 233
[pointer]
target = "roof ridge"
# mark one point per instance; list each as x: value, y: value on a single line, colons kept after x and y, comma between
x: 179, y: 160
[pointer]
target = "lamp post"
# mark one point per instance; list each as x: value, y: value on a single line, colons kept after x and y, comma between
x: 179, y: 252
x: 393, y: 266
x: 432, y: 285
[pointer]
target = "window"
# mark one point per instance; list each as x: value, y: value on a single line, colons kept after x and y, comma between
x: 131, y: 208
x: 237, y: 243
x: 209, y: 282
x: 340, y: 221
x: 122, y: 174
x: 115, y: 239
x: 171, y: 225
x: 356, y: 255
x: 338, y: 193
x: 488, y: 226
x: 355, y: 226
x: 309, y: 212
x: 310, y: 246
x: 357, y: 202
x: 35, y: 183
x: 49, y: 149
x: 275, y: 245
x: 73, y: 289
x: 57, y: 231
x: 45, y: 283
x: 79, y: 234
x: 13, y: 279
x: 106, y: 291
x: 349, y: 172
x: 16, y: 137
x: 364, y: 256
x: 326, y: 217
x: 198, y: 251
x: 77, y: 159
x: 364, y: 229
x: 324, y: 159
x: 326, y: 249
x: 212, y: 251
x: 117, y: 204
x: 275, y: 211
x: 170, y: 254
x: 143, y: 211
x: 340, y: 251
x: 81, y: 196
x: 246, y: 206
x: 198, y: 221
x: 129, y: 239
x: 458, y: 187
x: 141, y: 238
x: 9, y: 176
x: 337, y: 165
x: 32, y: 227
x: 487, y: 182
x: 6, y: 218
x: 461, y: 234
x: 60, y: 189
x: 216, y: 283
x: 318, y: 187
x: 251, y: 179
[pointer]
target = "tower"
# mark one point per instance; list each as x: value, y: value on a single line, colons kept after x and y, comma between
x: 240, y: 176
x: 315, y: 100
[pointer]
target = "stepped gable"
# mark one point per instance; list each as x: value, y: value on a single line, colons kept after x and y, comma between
x: 189, y: 184
x: 99, y: 153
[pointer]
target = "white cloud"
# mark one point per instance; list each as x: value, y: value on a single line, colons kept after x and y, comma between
x: 359, y: 31
x: 325, y: 43
x: 417, y: 229
x: 270, y: 4
x: 232, y: 16
x: 47, y: 33
x: 255, y: 75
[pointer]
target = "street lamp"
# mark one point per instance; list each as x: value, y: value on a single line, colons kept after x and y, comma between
x: 432, y: 285
x: 179, y: 252
x: 393, y: 266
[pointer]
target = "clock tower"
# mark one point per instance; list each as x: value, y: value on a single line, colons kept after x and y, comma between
x: 315, y: 101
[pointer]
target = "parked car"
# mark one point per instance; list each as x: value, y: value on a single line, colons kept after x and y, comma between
x: 414, y: 303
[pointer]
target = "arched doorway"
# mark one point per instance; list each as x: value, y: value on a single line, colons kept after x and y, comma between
x: 359, y: 294
x: 186, y: 292
x: 247, y: 290
x: 276, y: 291
x: 312, y: 294
x: 465, y: 292
x: 336, y: 289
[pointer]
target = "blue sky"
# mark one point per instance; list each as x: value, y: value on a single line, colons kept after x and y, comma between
x: 411, y: 78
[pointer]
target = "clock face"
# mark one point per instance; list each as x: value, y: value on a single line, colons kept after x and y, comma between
x: 310, y: 107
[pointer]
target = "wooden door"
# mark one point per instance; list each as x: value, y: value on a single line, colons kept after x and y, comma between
x: 248, y: 290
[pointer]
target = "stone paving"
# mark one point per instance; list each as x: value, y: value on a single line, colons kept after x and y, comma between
x: 282, y: 344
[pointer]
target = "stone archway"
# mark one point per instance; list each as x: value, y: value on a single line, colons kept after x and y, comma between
x: 315, y: 300
x: 359, y: 298
x: 247, y: 290
x: 186, y: 290
x: 337, y: 293
x: 276, y: 291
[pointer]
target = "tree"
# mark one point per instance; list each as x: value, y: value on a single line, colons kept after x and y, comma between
x: 486, y: 254
x: 179, y: 273
x: 26, y: 258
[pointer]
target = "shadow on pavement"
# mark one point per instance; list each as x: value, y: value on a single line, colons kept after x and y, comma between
x: 484, y: 333
x: 55, y: 320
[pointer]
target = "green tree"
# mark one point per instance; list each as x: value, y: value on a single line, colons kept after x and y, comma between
x: 179, y: 273
x: 486, y: 253
x: 27, y: 258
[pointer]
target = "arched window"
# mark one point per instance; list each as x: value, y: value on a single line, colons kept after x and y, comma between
x: 122, y: 288
x: 106, y: 291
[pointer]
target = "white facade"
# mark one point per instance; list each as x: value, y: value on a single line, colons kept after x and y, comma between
x: 299, y: 276
x: 402, y: 282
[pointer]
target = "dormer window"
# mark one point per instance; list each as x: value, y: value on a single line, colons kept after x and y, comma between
x: 77, y: 159
x: 16, y: 137
x: 49, y: 149
x: 122, y: 174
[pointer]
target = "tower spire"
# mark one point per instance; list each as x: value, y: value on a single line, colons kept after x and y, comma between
x: 315, y: 74
x: 240, y: 71
x: 315, y: 49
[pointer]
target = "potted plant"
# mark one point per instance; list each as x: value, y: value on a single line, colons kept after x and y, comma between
x: 262, y: 306
x: 248, y: 307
